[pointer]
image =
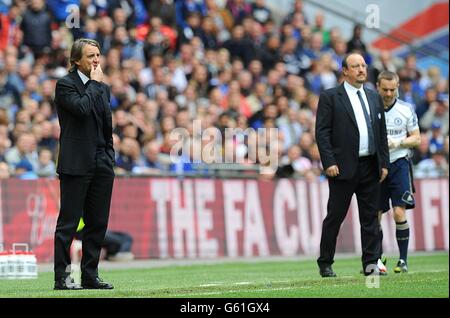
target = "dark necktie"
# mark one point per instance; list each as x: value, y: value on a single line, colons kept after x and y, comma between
x: 369, y: 125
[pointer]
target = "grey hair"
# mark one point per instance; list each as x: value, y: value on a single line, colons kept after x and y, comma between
x: 76, y: 53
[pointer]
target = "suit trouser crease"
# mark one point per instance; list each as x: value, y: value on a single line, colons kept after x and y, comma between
x: 366, y: 187
x: 88, y: 196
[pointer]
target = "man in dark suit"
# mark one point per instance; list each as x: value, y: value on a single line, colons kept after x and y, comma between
x: 85, y: 164
x: 351, y: 135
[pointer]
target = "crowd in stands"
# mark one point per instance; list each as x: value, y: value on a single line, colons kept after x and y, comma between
x: 228, y: 64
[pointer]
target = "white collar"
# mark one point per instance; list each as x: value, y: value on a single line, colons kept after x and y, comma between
x: 83, y: 77
x: 352, y: 89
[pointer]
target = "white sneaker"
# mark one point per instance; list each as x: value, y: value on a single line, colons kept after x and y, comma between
x: 381, y: 266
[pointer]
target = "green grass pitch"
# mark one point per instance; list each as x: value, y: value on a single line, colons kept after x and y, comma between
x: 428, y: 277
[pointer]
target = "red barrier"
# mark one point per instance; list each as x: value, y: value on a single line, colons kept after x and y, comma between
x: 207, y: 218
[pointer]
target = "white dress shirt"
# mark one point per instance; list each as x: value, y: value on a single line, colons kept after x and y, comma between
x: 83, y: 77
x: 352, y: 93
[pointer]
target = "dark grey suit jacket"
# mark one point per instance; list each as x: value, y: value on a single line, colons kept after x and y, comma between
x: 79, y: 107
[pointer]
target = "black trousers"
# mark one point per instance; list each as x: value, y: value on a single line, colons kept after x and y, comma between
x: 365, y: 184
x: 88, y: 196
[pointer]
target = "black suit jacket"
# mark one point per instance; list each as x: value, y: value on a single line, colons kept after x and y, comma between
x: 337, y: 133
x: 79, y: 107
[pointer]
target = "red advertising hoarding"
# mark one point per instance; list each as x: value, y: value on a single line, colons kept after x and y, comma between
x: 208, y: 218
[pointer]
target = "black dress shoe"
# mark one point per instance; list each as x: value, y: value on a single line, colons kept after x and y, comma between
x: 327, y: 272
x: 97, y: 283
x: 66, y: 284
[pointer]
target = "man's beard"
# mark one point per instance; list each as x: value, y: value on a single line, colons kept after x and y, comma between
x: 361, y: 81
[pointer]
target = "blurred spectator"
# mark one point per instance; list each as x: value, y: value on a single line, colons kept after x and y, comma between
x: 184, y: 8
x: 430, y: 97
x: 239, y: 46
x: 125, y: 9
x: 291, y: 57
x: 236, y: 103
x: 339, y: 47
x: 290, y: 127
x: 297, y: 8
x: 319, y: 26
x: 314, y: 46
x: 24, y: 170
x: 105, y: 33
x: 9, y: 95
x: 25, y: 149
x: 192, y: 28
x: 410, y: 70
x: 117, y: 246
x: 36, y: 27
x: 269, y: 111
x: 11, y: 67
x: 155, y: 44
x: 322, y: 75
x: 130, y: 47
x: 293, y: 164
x: 356, y: 43
x: 208, y: 34
x: 306, y: 141
x: 163, y: 9
x: 434, y: 167
x: 128, y: 157
x: 260, y: 12
x: 151, y: 163
x: 384, y: 62
x: 158, y: 84
x: 406, y: 91
x: 239, y: 10
x: 431, y: 79
x: 437, y: 113
x: 46, y: 166
x: 47, y: 140
x: 437, y: 138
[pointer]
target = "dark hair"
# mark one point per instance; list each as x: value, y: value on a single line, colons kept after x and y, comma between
x: 76, y: 53
x: 387, y: 75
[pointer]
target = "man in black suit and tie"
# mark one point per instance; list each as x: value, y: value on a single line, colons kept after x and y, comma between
x: 352, y: 140
x: 85, y: 164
